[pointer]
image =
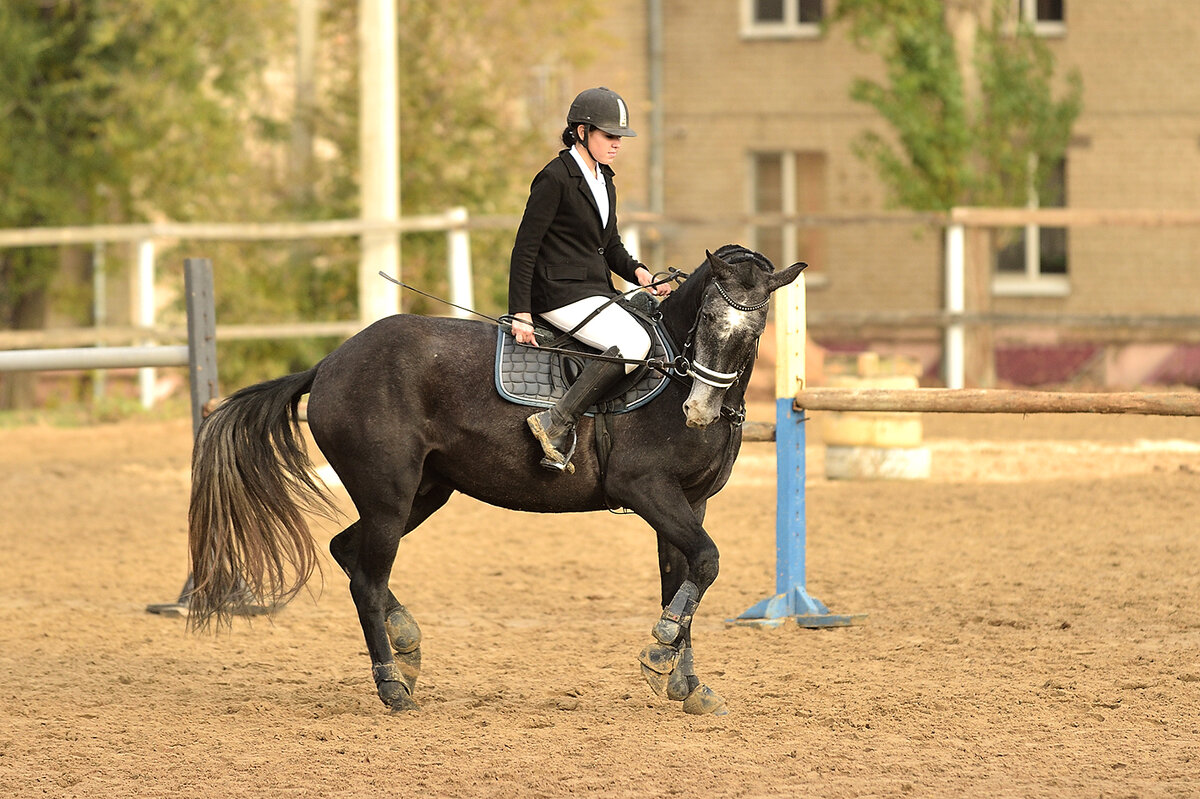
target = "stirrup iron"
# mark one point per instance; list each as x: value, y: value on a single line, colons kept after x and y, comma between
x: 554, y: 460
x: 555, y: 465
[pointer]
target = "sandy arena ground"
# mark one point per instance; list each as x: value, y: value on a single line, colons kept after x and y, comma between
x: 1032, y: 630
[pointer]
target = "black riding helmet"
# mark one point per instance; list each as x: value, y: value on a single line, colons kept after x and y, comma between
x: 601, y: 108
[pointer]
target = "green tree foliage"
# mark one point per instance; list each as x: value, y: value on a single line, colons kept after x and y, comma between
x: 469, y: 136
x: 119, y: 111
x: 470, y: 132
x: 115, y: 111
x: 955, y: 144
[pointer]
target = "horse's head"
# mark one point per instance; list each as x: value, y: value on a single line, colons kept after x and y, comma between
x: 732, y: 315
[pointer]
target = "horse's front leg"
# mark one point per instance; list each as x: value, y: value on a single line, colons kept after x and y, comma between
x: 668, y: 663
x: 688, y: 564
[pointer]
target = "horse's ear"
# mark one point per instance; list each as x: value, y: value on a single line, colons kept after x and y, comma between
x: 778, y: 279
x: 713, y: 261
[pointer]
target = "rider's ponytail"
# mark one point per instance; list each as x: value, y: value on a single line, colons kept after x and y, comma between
x: 569, y: 137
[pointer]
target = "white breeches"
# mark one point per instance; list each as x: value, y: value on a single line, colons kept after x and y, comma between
x: 614, y: 326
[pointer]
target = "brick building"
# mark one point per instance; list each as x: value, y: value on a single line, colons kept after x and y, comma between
x: 756, y: 117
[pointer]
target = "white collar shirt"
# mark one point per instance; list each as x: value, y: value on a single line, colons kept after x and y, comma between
x: 595, y: 181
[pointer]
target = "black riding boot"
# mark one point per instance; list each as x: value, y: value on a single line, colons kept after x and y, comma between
x: 554, y: 427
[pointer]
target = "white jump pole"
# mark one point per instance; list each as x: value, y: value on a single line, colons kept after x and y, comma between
x: 92, y: 358
x: 791, y: 602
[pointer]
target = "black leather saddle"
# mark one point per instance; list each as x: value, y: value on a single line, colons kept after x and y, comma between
x: 538, y: 378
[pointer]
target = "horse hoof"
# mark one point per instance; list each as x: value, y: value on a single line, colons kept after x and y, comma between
x: 656, y: 681
x: 705, y: 702
x: 398, y: 700
x: 678, y: 687
x: 409, y: 665
x: 394, y: 683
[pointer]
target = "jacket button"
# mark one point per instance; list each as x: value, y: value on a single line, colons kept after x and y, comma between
x: 600, y: 251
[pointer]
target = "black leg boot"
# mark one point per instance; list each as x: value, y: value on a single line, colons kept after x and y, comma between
x: 554, y: 427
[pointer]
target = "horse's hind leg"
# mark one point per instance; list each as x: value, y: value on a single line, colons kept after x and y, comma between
x: 403, y: 633
x: 400, y: 626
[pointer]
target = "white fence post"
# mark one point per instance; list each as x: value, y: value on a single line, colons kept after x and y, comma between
x: 955, y: 337
x: 379, y: 159
x: 145, y: 314
x: 99, y: 310
x: 632, y: 239
x: 459, y: 256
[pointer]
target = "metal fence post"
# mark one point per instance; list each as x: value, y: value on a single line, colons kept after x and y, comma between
x: 791, y: 601
x: 202, y: 336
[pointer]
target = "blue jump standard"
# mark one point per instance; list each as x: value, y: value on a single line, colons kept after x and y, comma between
x: 791, y: 603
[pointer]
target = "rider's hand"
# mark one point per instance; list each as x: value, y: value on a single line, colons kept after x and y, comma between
x: 522, y: 328
x: 645, y: 279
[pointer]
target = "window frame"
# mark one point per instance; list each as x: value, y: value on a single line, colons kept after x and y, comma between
x: 1032, y: 281
x: 1027, y: 14
x: 790, y: 233
x: 790, y: 28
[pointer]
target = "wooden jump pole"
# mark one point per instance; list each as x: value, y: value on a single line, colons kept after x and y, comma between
x: 945, y: 400
x: 791, y: 601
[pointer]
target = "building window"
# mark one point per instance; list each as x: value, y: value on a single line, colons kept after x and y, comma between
x: 787, y: 184
x: 779, y: 19
x: 1047, y: 17
x: 1033, y: 259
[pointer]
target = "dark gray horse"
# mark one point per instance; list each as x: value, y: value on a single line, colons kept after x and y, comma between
x: 406, y: 414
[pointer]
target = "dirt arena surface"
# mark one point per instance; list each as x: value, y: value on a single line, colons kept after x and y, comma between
x: 1033, y: 630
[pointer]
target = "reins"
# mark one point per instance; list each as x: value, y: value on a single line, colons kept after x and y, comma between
x: 671, y: 274
x: 506, y: 320
x: 676, y: 369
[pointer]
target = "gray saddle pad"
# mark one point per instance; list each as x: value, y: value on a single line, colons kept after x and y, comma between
x: 531, y: 376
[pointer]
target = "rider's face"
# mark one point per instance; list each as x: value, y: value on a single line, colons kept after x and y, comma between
x: 603, y: 147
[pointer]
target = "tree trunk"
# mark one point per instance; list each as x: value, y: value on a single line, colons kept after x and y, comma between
x: 18, y: 390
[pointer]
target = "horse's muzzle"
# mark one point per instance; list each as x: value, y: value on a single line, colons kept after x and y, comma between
x: 703, y: 406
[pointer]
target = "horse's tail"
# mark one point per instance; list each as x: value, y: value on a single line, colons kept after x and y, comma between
x: 252, y: 482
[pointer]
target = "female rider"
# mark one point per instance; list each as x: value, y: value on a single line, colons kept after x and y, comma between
x: 566, y: 247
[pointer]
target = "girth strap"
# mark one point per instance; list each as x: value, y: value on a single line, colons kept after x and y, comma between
x: 604, y: 445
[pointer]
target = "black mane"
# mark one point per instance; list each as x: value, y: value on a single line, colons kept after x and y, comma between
x: 679, y: 310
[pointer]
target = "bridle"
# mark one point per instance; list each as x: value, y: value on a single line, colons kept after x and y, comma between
x: 696, y: 370
x: 745, y: 308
